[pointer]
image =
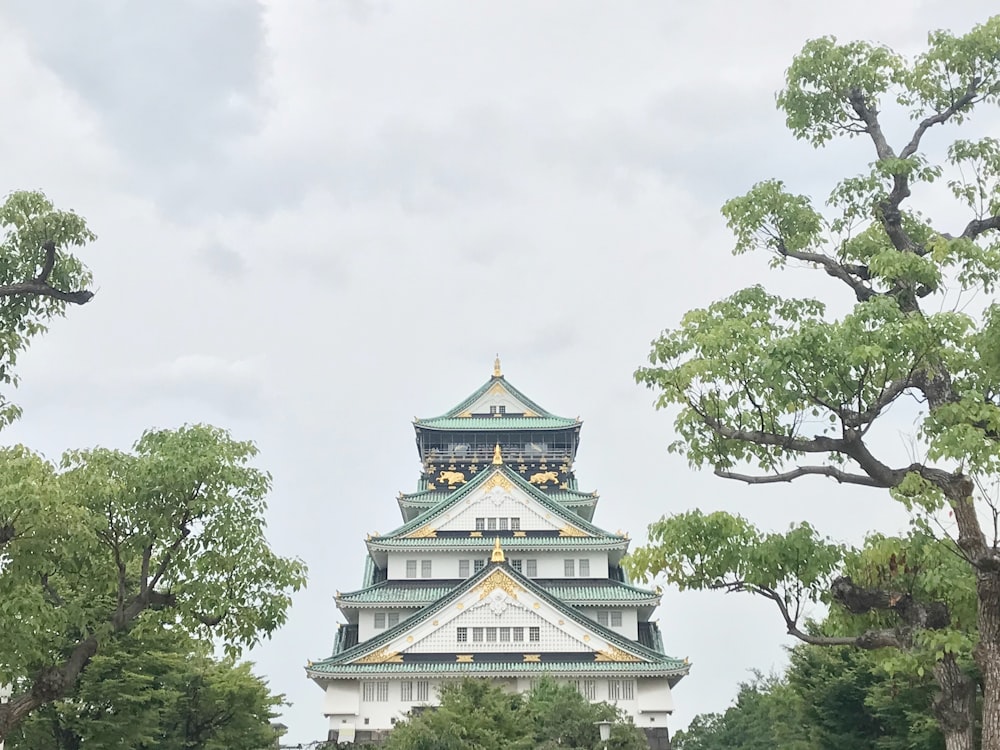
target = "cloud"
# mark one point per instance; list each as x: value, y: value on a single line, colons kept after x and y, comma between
x: 222, y: 261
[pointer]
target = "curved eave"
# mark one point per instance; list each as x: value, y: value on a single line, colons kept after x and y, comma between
x: 485, y: 543
x: 495, y: 424
x: 672, y: 670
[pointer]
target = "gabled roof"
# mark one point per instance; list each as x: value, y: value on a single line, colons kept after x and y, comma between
x: 579, y: 592
x: 413, y: 504
x: 605, y: 650
x: 533, y: 416
x: 424, y: 526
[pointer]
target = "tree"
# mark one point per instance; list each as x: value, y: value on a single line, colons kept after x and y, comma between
x: 38, y: 278
x: 478, y: 715
x: 769, y: 389
x: 170, y: 534
x: 156, y: 688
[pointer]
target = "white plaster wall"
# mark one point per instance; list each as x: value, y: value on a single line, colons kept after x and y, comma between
x: 630, y: 620
x: 497, y: 395
x: 444, y: 565
x: 654, y: 698
x: 366, y: 621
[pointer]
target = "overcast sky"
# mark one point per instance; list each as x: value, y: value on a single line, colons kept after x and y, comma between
x: 318, y: 218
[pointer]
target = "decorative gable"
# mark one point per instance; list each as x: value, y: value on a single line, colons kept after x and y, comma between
x: 498, y: 614
x: 497, y: 401
x: 500, y: 504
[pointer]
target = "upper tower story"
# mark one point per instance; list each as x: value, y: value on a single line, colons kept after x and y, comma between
x: 456, y: 445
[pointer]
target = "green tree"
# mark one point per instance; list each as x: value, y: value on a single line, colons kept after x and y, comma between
x: 156, y: 688
x: 478, y: 715
x: 38, y: 278
x: 170, y: 534
x: 769, y: 389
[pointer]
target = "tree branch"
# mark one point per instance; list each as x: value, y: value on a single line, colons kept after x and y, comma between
x: 859, y: 600
x: 977, y: 226
x: 963, y: 101
x: 801, y: 471
x: 40, y: 286
x: 850, y: 275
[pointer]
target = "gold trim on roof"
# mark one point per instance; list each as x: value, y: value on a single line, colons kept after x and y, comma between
x: 572, y: 531
x: 498, y: 580
x: 382, y: 656
x: 496, y: 368
x: 497, y: 480
x: 497, y: 456
x: 613, y: 653
x: 424, y: 532
x: 497, y: 556
x: 533, y: 658
x: 530, y: 413
x: 463, y: 658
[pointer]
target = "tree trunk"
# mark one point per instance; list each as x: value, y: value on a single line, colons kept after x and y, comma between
x: 988, y: 655
x: 955, y: 705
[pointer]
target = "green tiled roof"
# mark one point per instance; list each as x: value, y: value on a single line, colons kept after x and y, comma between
x: 485, y: 543
x: 456, y: 496
x: 471, y: 399
x: 665, y: 667
x: 578, y: 593
x: 339, y: 664
x: 496, y: 423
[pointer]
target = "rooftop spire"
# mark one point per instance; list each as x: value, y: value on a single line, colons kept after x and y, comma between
x: 497, y: 456
x: 498, y: 556
x: 496, y: 368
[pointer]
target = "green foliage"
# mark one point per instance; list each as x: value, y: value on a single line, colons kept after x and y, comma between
x: 27, y: 221
x: 170, y: 534
x: 156, y: 688
x: 478, y: 715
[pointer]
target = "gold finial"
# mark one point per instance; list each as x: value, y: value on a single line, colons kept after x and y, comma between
x: 497, y: 456
x: 497, y: 556
x: 496, y: 368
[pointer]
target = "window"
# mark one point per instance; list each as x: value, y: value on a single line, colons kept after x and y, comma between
x: 462, y: 635
x: 588, y: 689
x: 584, y: 568
x: 423, y: 690
x: 532, y: 568
x: 406, y: 691
x: 534, y: 634
x: 616, y: 618
x: 602, y: 618
x: 518, y: 634
x: 491, y: 524
x: 621, y: 690
x: 411, y: 568
x: 425, y: 568
x: 517, y: 565
x: 515, y: 524
x: 569, y: 567
x: 504, y: 635
x: 377, y: 692
x: 498, y: 410
x: 477, y: 635
x: 491, y: 635
x: 502, y: 524
x: 480, y: 524
x: 478, y: 565
x: 463, y: 568
x: 379, y: 620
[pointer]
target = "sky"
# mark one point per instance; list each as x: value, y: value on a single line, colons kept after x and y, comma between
x: 319, y: 218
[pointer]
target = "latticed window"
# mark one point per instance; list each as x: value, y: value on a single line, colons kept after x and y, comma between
x: 502, y: 524
x: 411, y: 568
x: 531, y: 568
x: 602, y: 618
x: 425, y: 568
x: 588, y: 689
x: 616, y: 618
x: 406, y: 691
x: 504, y: 635
x: 491, y: 634
x: 517, y: 565
x: 379, y: 620
x: 477, y: 635
x: 423, y: 690
x: 534, y: 634
x: 375, y: 692
x: 462, y: 635
x: 478, y: 565
x: 518, y: 634
x: 515, y: 524
x: 463, y: 568
x: 392, y: 619
x: 621, y: 690
x: 480, y: 524
x: 491, y: 524
x: 569, y: 567
x: 584, y: 568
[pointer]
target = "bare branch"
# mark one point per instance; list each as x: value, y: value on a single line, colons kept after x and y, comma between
x: 40, y: 286
x: 977, y: 226
x: 849, y: 274
x: 788, y: 476
x: 963, y: 101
